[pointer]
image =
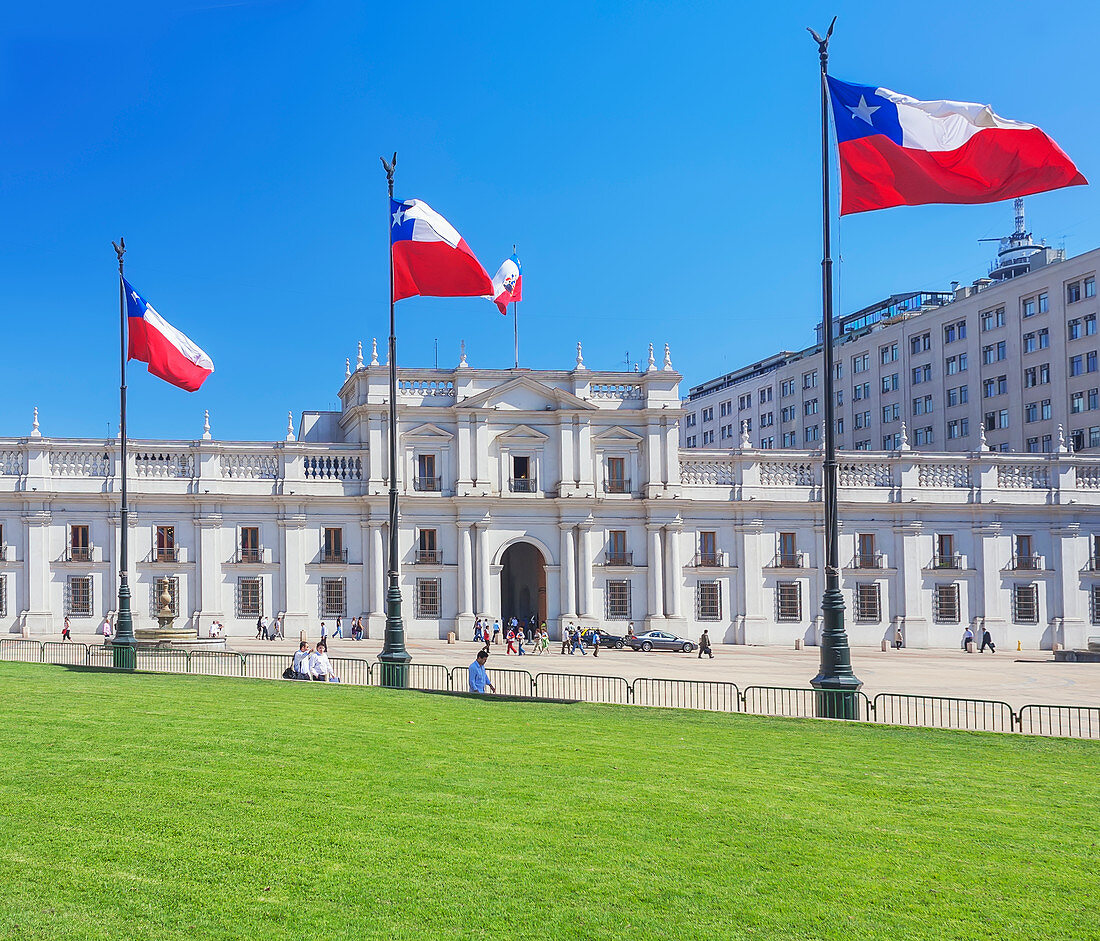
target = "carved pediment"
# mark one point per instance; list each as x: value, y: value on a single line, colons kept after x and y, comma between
x: 617, y: 436
x: 524, y: 394
x: 521, y: 435
x: 427, y: 432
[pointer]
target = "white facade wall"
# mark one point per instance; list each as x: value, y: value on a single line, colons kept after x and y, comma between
x: 570, y: 426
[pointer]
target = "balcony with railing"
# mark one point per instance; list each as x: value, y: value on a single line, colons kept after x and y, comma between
x: 523, y: 485
x: 619, y: 558
x: 1026, y: 563
x: 617, y: 485
x: 789, y: 560
x: 164, y: 554
x: 952, y: 560
x: 867, y: 560
x: 1092, y: 566
x: 428, y: 484
x: 709, y: 560
x: 428, y: 557
x: 78, y: 554
x: 334, y: 556
x: 249, y: 555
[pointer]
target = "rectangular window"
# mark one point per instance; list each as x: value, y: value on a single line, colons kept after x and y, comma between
x: 1077, y: 402
x: 809, y: 379
x: 1030, y: 343
x: 80, y: 549
x: 708, y: 601
x: 427, y: 476
x: 1025, y: 604
x: 920, y: 344
x: 890, y: 383
x: 1093, y: 393
x: 891, y: 442
x: 1074, y: 329
x: 616, y: 475
x: 1031, y: 412
x: 1090, y: 361
x: 1029, y: 307
x: 987, y: 353
x: 78, y: 596
x: 1045, y: 410
x: 861, y: 363
x: 1043, y: 305
x: 1044, y: 342
x: 250, y: 544
x: 428, y: 603
x: 1073, y: 292
x: 992, y: 319
x: 789, y: 439
x: 888, y: 354
x: 156, y: 589
x: 1044, y: 374
x: 787, y: 387
x: 891, y: 413
x: 332, y: 546
x: 867, y: 602
x: 1048, y: 444
x: 1002, y: 418
x: 810, y: 407
x: 788, y: 597
x: 618, y: 600
x: 923, y: 435
x: 1032, y: 445
x: 165, y: 550
x: 1090, y: 287
x: 922, y: 373
x: 958, y: 428
x: 1090, y: 325
x: 616, y: 547
x: 427, y: 547
x: 1077, y: 366
x: 945, y: 604
x: 334, y: 598
x: 250, y: 598
x: 812, y: 434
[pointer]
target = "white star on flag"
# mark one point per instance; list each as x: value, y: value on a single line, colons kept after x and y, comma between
x: 864, y: 110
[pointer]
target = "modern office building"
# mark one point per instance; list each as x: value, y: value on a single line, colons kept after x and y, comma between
x: 559, y: 494
x: 1012, y: 356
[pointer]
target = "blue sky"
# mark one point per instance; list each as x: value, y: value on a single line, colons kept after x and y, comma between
x: 657, y: 165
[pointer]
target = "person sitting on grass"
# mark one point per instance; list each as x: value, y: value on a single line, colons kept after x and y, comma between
x: 479, y: 679
x: 301, y: 662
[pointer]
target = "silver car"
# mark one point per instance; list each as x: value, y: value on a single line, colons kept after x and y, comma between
x: 660, y: 640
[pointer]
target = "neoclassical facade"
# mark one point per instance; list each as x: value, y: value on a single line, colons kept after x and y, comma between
x: 562, y: 494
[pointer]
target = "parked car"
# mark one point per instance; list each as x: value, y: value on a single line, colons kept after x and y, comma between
x: 660, y: 640
x: 606, y: 639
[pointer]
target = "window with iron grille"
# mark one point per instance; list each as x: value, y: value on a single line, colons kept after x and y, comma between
x: 3, y: 596
x: 868, y: 602
x: 78, y: 597
x: 173, y: 592
x: 708, y: 601
x: 945, y: 604
x: 1025, y: 604
x: 618, y: 600
x: 334, y: 598
x: 788, y: 601
x: 427, y: 599
x: 1094, y: 599
x: 250, y: 598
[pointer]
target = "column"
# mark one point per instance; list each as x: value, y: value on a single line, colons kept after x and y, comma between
x: 758, y: 616
x: 585, y: 457
x: 1065, y: 600
x: 991, y: 553
x: 482, y: 601
x: 654, y: 578
x: 377, y: 579
x: 208, y: 565
x: 481, y: 457
x: 465, y: 453
x: 296, y: 616
x: 653, y: 450
x: 675, y: 571
x: 465, y: 572
x: 377, y: 449
x: 36, y: 538
x: 909, y: 602
x: 585, y: 574
x: 568, y: 573
x: 568, y: 466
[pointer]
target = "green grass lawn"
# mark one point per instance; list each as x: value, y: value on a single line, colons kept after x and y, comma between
x: 173, y: 807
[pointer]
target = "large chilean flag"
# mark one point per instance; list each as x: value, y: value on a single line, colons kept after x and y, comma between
x: 898, y: 151
x: 171, y: 355
x: 429, y: 257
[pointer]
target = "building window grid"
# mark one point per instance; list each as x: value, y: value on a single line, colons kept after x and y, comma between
x: 868, y: 599
x: 1025, y: 604
x: 945, y: 604
x: 157, y: 587
x: 788, y: 601
x: 334, y: 598
x: 250, y: 598
x: 617, y: 604
x: 78, y: 596
x: 428, y: 599
x: 1094, y: 604
x: 708, y: 601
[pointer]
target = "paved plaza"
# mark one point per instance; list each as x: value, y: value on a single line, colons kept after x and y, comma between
x: 1015, y: 677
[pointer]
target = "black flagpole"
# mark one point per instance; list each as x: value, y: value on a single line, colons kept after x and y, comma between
x: 123, y: 645
x: 835, y: 677
x: 394, y: 657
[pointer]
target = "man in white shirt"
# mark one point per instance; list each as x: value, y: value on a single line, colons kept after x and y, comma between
x: 301, y: 661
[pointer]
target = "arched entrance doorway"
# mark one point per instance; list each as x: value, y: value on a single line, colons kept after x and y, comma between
x: 522, y: 583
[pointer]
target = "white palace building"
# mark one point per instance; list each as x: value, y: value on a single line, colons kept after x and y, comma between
x: 563, y: 494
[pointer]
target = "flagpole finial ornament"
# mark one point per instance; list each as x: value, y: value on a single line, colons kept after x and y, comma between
x: 290, y: 426
x: 359, y: 356
x: 120, y: 250
x: 652, y: 362
x: 389, y: 168
x: 35, y: 433
x: 374, y: 351
x: 822, y: 44
x: 668, y: 359
x: 462, y: 355
x: 580, y: 358
x: 347, y: 366
x: 206, y: 425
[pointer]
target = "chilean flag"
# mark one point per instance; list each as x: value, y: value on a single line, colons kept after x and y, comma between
x: 171, y: 355
x: 507, y: 284
x: 898, y: 151
x: 429, y: 257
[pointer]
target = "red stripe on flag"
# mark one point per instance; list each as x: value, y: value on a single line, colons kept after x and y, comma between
x: 434, y: 269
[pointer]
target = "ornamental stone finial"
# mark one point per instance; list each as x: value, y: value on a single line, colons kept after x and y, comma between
x: 981, y: 436
x: 1062, y: 449
x: 347, y: 368
x: 462, y: 364
x: 904, y: 438
x: 652, y: 363
x: 359, y: 356
x: 206, y: 426
x: 668, y: 359
x: 35, y: 433
x: 580, y: 358
x: 290, y: 426
x: 746, y: 442
x: 374, y: 351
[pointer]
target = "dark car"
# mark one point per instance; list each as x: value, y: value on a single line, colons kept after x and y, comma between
x: 660, y: 640
x: 606, y: 639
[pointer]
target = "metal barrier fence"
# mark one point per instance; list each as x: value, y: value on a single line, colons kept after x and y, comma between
x: 715, y: 696
x: 943, y: 712
x: 1068, y: 721
x: 795, y: 702
x: 586, y: 687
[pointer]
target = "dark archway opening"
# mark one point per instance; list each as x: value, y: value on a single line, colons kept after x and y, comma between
x: 522, y: 584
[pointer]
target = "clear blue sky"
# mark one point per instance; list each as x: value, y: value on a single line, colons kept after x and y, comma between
x: 657, y: 165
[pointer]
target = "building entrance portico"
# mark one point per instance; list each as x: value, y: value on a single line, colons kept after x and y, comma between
x: 523, y: 583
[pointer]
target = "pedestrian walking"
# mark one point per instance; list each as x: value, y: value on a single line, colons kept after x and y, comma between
x: 259, y: 627
x: 704, y: 645
x: 477, y: 631
x: 339, y: 632
x: 566, y: 634
x: 511, y: 648
x: 479, y: 679
x: 496, y: 631
x: 899, y: 638
x: 595, y: 636
x: 519, y: 642
x: 577, y: 644
x: 323, y: 632
x: 987, y: 641
x: 65, y: 634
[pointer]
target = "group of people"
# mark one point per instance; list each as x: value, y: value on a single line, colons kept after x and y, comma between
x: 987, y: 641
x: 312, y: 663
x: 357, y: 631
x: 526, y: 630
